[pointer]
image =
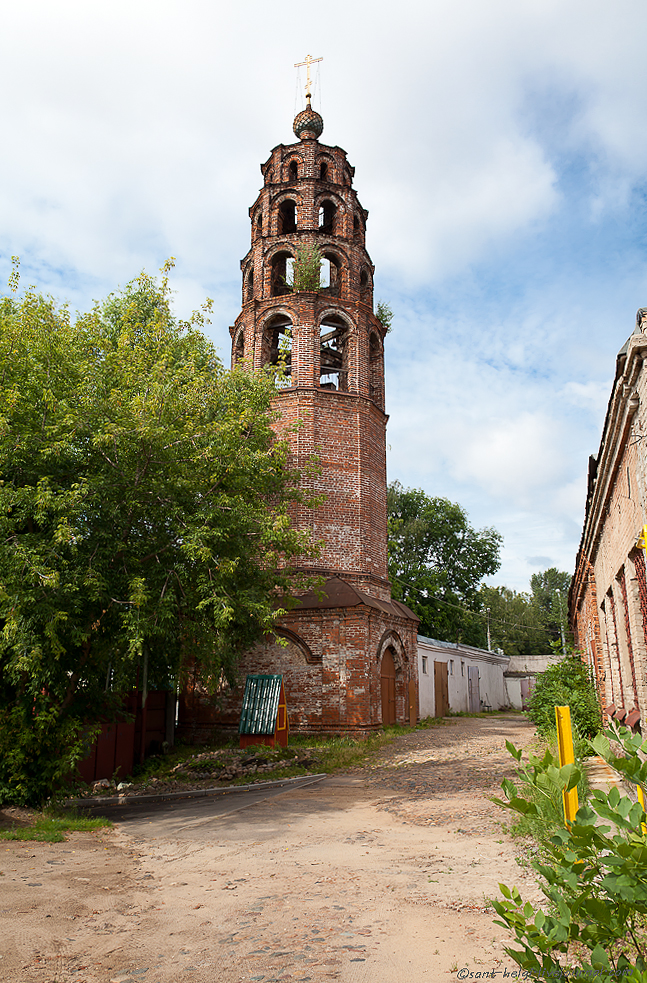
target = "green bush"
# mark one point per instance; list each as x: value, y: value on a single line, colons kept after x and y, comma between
x: 39, y: 751
x: 595, y: 874
x: 567, y: 683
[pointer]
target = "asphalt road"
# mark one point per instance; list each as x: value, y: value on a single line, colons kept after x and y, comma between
x: 190, y: 818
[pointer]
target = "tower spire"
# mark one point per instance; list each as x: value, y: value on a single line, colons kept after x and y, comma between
x: 309, y: 60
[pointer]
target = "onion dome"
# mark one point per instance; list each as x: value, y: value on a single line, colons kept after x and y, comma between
x: 308, y: 125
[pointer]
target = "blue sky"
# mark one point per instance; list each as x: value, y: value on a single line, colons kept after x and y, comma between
x: 500, y: 147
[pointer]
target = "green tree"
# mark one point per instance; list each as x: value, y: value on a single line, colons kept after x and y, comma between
x: 550, y: 595
x: 437, y: 562
x: 516, y: 624
x: 144, y: 516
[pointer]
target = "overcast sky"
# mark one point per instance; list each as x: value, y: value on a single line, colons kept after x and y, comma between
x: 500, y: 147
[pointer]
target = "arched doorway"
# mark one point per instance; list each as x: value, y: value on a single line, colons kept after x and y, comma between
x: 387, y: 682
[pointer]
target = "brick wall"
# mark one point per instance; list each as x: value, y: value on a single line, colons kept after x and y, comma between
x: 608, y: 597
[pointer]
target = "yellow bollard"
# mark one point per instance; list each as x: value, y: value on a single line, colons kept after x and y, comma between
x: 566, y: 757
x: 641, y: 799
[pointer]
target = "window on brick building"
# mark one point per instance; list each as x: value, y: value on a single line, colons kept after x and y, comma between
x: 277, y: 347
x: 323, y: 171
x: 249, y: 285
x: 327, y: 213
x: 334, y: 348
x: 259, y: 224
x: 287, y: 216
x: 357, y: 226
x: 293, y: 171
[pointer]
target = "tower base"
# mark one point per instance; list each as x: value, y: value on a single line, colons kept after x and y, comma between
x: 349, y: 664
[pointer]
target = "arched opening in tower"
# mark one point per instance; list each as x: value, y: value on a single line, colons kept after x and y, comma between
x: 277, y: 348
x: 281, y: 274
x: 287, y: 216
x: 249, y: 285
x: 327, y: 213
x: 293, y: 171
x: 333, y: 371
x: 323, y: 171
x: 331, y: 275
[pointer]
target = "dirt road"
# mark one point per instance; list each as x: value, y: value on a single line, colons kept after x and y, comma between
x: 377, y: 875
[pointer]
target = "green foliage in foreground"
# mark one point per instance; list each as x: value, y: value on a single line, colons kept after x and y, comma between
x: 595, y: 874
x: 548, y: 819
x: 567, y: 683
x: 50, y: 829
x: 144, y: 513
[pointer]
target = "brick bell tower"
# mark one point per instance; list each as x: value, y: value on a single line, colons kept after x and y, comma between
x: 351, y: 661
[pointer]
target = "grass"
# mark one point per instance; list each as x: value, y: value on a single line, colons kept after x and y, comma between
x: 331, y: 754
x: 326, y: 753
x: 47, y: 828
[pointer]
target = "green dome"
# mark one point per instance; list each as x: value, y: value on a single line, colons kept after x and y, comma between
x: 308, y: 125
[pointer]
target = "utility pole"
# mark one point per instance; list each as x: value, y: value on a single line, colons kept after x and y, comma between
x: 489, y: 641
x: 561, y: 622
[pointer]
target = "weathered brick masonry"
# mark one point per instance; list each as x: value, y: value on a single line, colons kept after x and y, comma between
x: 608, y: 596
x: 332, y: 348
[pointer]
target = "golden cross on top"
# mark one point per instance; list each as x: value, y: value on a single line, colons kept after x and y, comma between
x: 308, y: 62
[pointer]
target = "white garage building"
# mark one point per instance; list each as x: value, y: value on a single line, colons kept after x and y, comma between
x: 460, y: 678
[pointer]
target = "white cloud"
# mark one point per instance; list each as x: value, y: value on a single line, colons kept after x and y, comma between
x: 500, y: 148
x: 591, y: 394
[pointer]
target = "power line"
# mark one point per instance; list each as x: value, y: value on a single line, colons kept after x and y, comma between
x: 475, y: 614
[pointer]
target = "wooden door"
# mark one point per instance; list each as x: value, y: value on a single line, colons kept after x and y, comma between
x: 441, y: 689
x: 526, y: 692
x: 413, y: 703
x: 387, y: 682
x: 473, y: 689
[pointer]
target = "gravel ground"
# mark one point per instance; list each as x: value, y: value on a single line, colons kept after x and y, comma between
x: 380, y: 874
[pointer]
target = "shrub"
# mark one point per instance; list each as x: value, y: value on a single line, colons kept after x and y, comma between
x: 384, y: 314
x: 568, y: 683
x: 595, y: 875
x: 306, y: 271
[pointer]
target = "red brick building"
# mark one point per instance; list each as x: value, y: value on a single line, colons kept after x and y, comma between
x: 608, y: 595
x: 350, y: 662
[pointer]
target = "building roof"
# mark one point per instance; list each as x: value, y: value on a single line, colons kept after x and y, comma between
x: 260, y: 704
x: 467, y: 651
x: 336, y: 593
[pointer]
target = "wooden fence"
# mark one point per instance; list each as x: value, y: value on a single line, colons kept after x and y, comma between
x: 128, y: 742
